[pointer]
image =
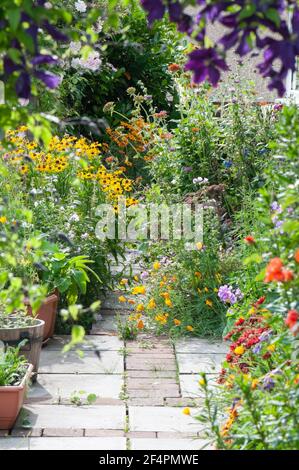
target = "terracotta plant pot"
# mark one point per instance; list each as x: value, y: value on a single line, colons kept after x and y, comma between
x: 34, y: 336
x: 48, y: 313
x: 12, y: 399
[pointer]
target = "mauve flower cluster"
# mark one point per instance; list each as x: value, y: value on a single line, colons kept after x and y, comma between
x: 243, y: 24
x: 229, y: 295
x: 30, y: 61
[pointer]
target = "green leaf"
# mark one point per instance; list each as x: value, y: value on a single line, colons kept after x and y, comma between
x: 255, y: 258
x: 273, y: 16
x: 14, y: 16
x: 247, y: 11
x: 80, y: 279
x: 72, y: 294
x: 91, y: 398
x: 95, y: 305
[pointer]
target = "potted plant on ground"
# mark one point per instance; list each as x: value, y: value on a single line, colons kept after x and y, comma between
x: 24, y: 332
x: 61, y: 274
x: 15, y: 373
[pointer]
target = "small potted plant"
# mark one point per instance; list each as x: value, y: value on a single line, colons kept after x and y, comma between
x: 15, y: 373
x: 23, y: 331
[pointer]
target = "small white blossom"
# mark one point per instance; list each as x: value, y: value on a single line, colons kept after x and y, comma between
x: 75, y: 47
x: 74, y: 218
x: 81, y: 6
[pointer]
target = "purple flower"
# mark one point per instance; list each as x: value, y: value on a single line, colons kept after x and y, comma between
x: 144, y: 275
x: 206, y: 65
x: 276, y: 207
x: 187, y: 169
x: 257, y: 348
x: 227, y: 163
x: 265, y: 336
x: 268, y: 383
x: 155, y: 9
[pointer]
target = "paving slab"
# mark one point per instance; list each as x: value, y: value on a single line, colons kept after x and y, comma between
x: 158, y: 418
x: 108, y: 323
x: 196, y: 363
x: 77, y: 443
x: 92, y: 342
x: 190, y: 387
x: 109, y: 362
x: 66, y: 417
x: 14, y: 443
x: 200, y: 346
x: 168, y: 444
x: 56, y: 387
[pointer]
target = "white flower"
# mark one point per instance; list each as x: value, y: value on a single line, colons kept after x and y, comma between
x: 93, y: 62
x: 75, y: 47
x: 84, y: 236
x: 81, y: 6
x: 74, y: 218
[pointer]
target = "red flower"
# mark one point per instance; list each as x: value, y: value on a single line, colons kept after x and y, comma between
x: 292, y: 318
x: 229, y: 357
x: 261, y: 300
x: 296, y: 256
x: 240, y: 321
x: 249, y: 239
x: 267, y: 355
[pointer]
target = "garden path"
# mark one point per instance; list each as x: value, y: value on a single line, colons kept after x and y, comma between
x: 141, y: 386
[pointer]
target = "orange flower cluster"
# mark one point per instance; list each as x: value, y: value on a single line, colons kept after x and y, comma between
x: 129, y: 133
x: 276, y: 272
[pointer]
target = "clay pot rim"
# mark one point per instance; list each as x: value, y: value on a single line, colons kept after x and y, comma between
x: 13, y: 388
x: 37, y: 320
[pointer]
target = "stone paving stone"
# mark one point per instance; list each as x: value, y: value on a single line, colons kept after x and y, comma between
x: 176, y: 435
x: 150, y: 355
x: 37, y: 432
x: 167, y: 444
x: 103, y: 433
x: 158, y: 418
x: 190, y: 387
x: 191, y: 402
x: 100, y: 343
x: 111, y: 301
x: 67, y: 417
x: 108, y: 323
x: 110, y: 362
x: 142, y: 434
x: 61, y: 432
x: 151, y: 393
x: 77, y: 443
x: 14, y: 443
x: 154, y: 374
x: 157, y: 401
x: 3, y: 432
x: 144, y: 383
x: 200, y: 346
x: 61, y: 387
x: 151, y: 364
x: 195, y: 363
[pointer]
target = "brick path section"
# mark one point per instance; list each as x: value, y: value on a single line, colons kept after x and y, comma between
x: 140, y: 386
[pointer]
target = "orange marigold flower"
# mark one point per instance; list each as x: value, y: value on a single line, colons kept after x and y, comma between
x: 140, y: 325
x: 186, y: 411
x: 296, y: 256
x: 189, y: 328
x: 177, y: 322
